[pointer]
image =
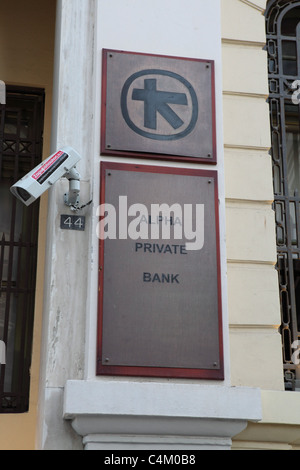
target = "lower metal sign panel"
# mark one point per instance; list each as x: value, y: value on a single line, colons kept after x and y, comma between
x: 159, y: 302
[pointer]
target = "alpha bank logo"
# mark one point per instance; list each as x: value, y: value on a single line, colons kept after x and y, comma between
x: 159, y: 105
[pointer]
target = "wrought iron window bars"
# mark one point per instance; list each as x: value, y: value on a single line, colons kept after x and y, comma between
x: 283, y: 46
x: 21, y: 124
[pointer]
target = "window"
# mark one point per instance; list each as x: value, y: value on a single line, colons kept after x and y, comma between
x: 21, y: 124
x: 283, y: 45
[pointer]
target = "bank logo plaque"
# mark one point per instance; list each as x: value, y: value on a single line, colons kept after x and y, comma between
x: 158, y: 107
x: 159, y: 273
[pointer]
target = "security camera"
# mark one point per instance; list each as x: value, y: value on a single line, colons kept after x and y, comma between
x: 60, y: 164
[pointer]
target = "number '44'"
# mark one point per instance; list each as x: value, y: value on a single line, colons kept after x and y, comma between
x: 72, y: 222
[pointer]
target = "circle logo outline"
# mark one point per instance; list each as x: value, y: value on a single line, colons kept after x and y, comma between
x: 149, y: 135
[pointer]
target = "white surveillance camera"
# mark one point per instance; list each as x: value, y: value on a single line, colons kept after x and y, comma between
x: 60, y: 164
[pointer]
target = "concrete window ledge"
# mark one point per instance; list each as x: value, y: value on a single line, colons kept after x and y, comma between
x: 125, y: 415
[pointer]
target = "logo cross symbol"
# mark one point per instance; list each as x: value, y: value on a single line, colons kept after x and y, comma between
x: 158, y: 102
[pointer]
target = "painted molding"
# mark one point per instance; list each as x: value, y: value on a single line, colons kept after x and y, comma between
x: 253, y: 5
x: 134, y: 414
x: 240, y: 42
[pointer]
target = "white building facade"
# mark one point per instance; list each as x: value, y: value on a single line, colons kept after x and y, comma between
x: 246, y: 406
x: 116, y: 412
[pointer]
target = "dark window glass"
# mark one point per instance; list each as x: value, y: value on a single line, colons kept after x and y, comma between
x: 20, y: 150
x: 289, y: 57
x: 290, y: 22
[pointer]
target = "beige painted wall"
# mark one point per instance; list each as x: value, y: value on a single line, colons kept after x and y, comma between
x: 254, y: 310
x: 251, y: 248
x: 26, y: 58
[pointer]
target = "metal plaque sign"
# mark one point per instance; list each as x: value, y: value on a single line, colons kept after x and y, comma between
x: 159, y: 284
x: 158, y: 106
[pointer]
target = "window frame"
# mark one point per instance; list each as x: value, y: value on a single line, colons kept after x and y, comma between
x: 18, y: 154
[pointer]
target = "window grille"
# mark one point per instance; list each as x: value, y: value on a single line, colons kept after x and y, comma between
x: 21, y: 124
x: 283, y: 46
